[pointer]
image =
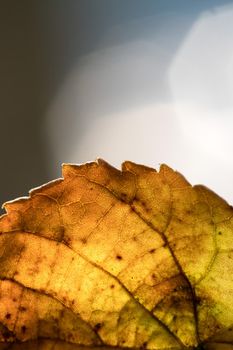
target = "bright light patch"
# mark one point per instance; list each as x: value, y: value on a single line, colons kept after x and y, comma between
x: 201, y: 80
x: 144, y: 102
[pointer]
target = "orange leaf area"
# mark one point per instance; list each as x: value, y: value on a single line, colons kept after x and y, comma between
x: 106, y: 258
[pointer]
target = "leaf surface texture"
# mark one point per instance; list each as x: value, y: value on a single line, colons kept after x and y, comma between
x: 107, y: 258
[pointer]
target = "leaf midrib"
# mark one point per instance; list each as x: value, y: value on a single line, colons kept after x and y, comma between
x: 84, y: 257
x: 163, y: 236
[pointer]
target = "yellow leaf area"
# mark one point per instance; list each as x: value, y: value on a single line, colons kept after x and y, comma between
x: 107, y: 258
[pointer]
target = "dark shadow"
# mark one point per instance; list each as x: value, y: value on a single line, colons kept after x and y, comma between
x: 23, y: 99
x: 40, y: 43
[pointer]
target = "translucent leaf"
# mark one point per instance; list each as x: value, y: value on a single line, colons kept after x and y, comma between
x: 106, y: 258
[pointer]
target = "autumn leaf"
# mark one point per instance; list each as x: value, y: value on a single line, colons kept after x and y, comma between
x: 107, y: 258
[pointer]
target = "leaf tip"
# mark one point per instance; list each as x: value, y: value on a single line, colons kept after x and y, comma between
x: 71, y: 169
x: 134, y: 167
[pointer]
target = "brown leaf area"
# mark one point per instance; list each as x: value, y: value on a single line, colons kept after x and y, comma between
x: 107, y: 258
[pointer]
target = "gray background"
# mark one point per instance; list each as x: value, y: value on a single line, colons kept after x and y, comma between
x: 74, y: 72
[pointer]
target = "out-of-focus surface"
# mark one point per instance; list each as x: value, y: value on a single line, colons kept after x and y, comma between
x: 150, y: 81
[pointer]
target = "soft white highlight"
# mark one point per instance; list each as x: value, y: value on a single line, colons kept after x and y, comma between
x: 136, y: 101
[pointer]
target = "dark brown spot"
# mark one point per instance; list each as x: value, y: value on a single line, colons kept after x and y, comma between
x: 23, y: 329
x: 60, y: 233
x: 200, y: 347
x: 8, y: 316
x: 62, y: 313
x: 133, y: 208
x: 83, y: 240
x: 144, y: 345
x: 124, y: 196
x: 22, y: 308
x: 219, y: 232
x: 112, y: 286
x: 153, y: 275
x: 14, y: 299
x: 176, y: 301
x: 7, y: 334
x: 97, y: 327
x: 152, y: 250
x: 67, y: 241
x: 119, y: 257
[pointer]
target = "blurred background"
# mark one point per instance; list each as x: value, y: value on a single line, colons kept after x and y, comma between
x: 145, y: 80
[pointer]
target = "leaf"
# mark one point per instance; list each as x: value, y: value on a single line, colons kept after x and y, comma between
x: 107, y: 258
